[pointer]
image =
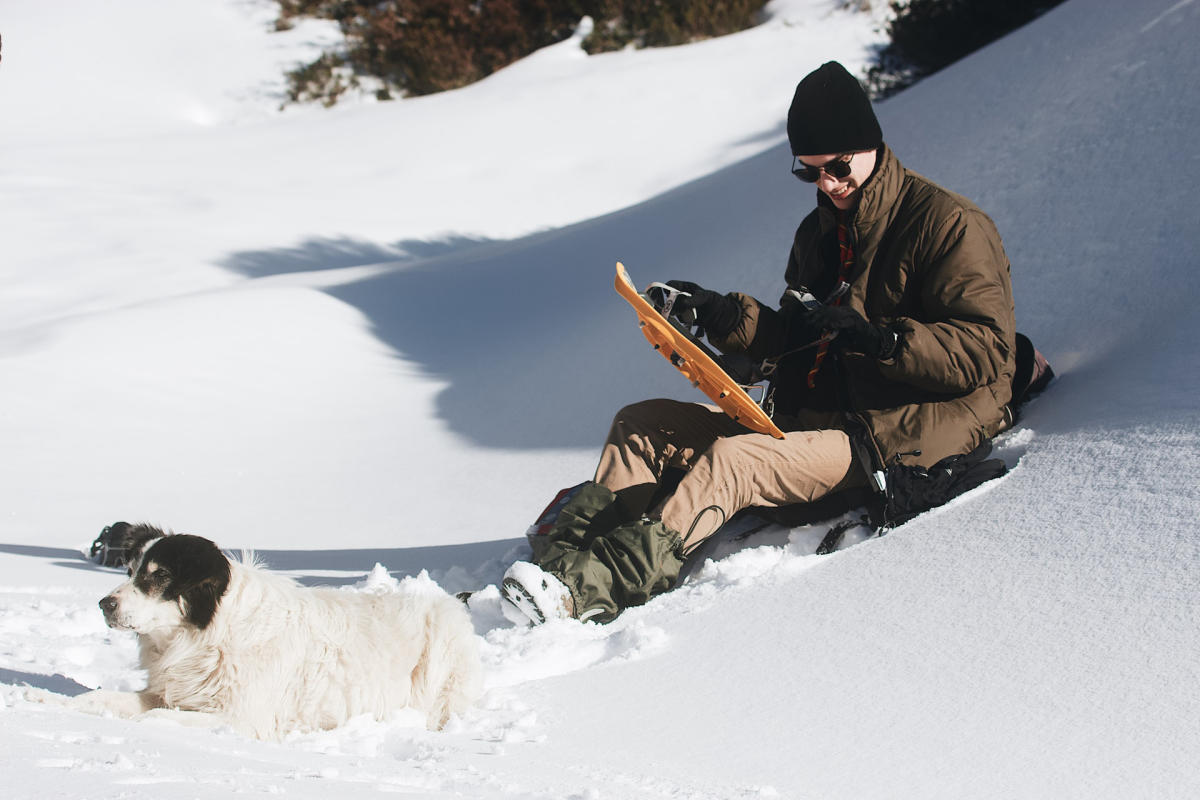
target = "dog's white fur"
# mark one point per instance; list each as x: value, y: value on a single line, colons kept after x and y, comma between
x: 279, y: 657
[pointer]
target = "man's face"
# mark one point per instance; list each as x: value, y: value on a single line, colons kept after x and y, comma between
x: 843, y: 192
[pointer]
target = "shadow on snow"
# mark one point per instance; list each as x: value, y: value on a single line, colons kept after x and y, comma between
x: 537, y: 350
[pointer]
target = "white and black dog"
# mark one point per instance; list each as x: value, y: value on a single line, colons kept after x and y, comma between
x: 228, y: 643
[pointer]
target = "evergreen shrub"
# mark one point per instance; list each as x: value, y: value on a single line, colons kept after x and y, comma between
x: 928, y: 35
x: 423, y: 46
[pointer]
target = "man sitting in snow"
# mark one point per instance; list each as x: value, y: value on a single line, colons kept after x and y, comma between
x: 914, y: 284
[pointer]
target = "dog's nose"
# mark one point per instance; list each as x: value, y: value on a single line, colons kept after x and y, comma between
x: 109, y: 605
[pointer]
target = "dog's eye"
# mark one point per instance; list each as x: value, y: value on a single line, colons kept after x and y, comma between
x: 151, y: 577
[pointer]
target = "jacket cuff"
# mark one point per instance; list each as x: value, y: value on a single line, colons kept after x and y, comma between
x: 890, y: 346
x: 739, y: 338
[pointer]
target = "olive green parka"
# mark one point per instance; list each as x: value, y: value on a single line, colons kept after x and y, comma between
x: 928, y: 264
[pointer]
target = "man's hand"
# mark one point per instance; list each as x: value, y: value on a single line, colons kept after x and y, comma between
x: 717, y: 313
x: 854, y: 332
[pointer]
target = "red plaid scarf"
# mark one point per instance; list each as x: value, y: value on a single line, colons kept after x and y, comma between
x: 846, y: 259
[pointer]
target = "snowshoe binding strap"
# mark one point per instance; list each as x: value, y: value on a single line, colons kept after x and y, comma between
x: 833, y: 539
x: 663, y: 296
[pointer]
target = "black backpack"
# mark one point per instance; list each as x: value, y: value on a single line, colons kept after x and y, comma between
x: 901, y: 492
x: 911, y: 490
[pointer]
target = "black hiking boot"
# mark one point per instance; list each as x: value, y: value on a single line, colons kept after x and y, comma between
x: 111, y: 546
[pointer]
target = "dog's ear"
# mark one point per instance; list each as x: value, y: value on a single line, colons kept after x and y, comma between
x: 199, y: 602
x: 199, y: 573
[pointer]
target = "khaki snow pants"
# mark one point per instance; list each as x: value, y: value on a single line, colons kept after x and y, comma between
x: 727, y: 468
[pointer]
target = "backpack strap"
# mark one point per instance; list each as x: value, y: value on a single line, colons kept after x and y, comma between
x: 870, y: 460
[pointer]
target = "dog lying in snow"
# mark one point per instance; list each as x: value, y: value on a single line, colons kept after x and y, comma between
x: 227, y: 643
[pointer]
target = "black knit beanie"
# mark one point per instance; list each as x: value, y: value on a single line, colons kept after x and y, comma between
x: 831, y: 113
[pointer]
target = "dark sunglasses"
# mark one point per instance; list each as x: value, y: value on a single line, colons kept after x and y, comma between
x: 837, y: 169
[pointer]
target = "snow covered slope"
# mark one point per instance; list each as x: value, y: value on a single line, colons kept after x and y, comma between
x: 398, y: 353
x: 171, y: 290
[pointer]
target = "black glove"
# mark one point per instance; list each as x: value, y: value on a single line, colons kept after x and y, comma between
x: 717, y: 313
x: 854, y: 332
x: 741, y: 367
x: 800, y: 327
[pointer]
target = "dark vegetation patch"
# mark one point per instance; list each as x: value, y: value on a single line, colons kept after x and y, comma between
x: 416, y: 47
x: 927, y: 35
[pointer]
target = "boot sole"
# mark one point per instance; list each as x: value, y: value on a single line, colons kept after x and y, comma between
x: 520, y: 598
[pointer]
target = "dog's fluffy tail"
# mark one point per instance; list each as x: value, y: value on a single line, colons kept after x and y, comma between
x: 448, y: 678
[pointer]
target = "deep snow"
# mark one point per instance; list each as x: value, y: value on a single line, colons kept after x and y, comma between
x: 386, y: 333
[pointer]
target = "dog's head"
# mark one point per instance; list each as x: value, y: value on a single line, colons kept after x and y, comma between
x: 175, y: 581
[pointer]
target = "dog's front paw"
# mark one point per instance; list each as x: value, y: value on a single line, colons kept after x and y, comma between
x: 190, y: 719
x: 105, y: 701
x: 35, y: 695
